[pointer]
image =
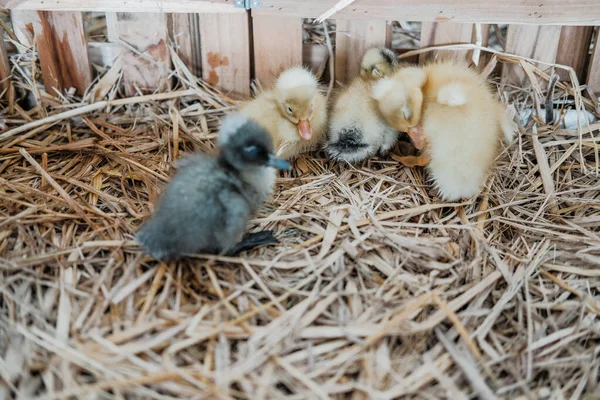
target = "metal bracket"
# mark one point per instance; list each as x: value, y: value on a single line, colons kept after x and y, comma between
x: 247, y: 4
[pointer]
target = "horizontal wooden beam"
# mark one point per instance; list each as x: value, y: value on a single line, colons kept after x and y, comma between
x: 537, y: 12
x: 169, y: 6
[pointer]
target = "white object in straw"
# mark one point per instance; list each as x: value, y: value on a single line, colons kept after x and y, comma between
x: 570, y: 121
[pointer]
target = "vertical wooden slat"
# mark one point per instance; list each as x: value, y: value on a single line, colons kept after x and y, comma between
x: 539, y: 42
x: 277, y: 46
x: 353, y: 37
x: 388, y: 34
x: 185, y: 35
x: 4, y: 66
x: 22, y: 26
x: 443, y: 33
x: 573, y: 48
x: 226, y: 51
x: 593, y: 78
x: 61, y: 45
x: 485, y: 34
x: 315, y: 56
x: 144, y: 51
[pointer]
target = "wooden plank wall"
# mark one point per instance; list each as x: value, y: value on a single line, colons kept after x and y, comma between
x: 353, y: 38
x: 277, y: 45
x: 573, y: 48
x: 559, y: 12
x: 226, y: 51
x: 442, y: 33
x: 60, y: 41
x: 593, y: 77
x: 144, y: 52
x: 4, y: 67
x: 223, y: 48
x: 539, y: 42
x: 184, y: 32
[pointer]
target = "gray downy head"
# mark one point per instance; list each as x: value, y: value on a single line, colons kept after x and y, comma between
x: 245, y: 144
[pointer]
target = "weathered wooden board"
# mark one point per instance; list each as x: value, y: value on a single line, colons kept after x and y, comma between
x: 277, y: 46
x: 226, y: 51
x: 144, y: 52
x: 22, y: 27
x: 535, y: 42
x: 593, y: 78
x: 104, y: 54
x: 60, y: 41
x: 485, y: 34
x: 185, y: 35
x: 352, y: 39
x: 573, y: 49
x: 563, y: 12
x: 165, y: 6
x: 316, y: 57
x: 4, y: 66
x: 442, y: 33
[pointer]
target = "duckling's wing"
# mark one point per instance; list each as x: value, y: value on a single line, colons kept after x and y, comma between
x: 180, y: 224
x: 235, y: 213
x: 188, y: 161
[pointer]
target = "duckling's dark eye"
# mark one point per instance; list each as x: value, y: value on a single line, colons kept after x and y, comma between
x: 251, y: 150
x: 289, y: 109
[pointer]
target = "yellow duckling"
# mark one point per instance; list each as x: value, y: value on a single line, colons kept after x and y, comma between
x: 451, y: 113
x: 294, y: 112
x: 378, y: 62
x: 357, y: 131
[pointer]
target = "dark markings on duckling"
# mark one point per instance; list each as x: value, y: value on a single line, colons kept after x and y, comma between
x: 207, y: 205
x: 388, y: 55
x: 378, y: 62
x: 350, y: 139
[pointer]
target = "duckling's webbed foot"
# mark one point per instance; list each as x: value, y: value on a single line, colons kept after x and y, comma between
x: 385, y: 149
x: 412, y: 161
x: 252, y: 240
x: 389, y: 140
x: 383, y: 153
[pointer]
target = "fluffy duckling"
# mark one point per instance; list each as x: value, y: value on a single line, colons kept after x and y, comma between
x: 294, y: 112
x: 356, y: 129
x: 207, y: 205
x: 378, y: 62
x: 450, y: 112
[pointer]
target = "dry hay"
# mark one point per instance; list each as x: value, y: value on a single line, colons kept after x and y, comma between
x: 377, y: 289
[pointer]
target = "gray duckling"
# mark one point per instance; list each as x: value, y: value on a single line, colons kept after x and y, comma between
x: 206, y: 206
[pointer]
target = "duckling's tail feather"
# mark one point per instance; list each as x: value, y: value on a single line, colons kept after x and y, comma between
x: 252, y: 240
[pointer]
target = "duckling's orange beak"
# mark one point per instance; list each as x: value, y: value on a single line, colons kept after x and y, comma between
x: 304, y: 129
x: 416, y: 135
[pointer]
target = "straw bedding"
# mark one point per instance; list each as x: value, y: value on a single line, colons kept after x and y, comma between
x: 376, y: 290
